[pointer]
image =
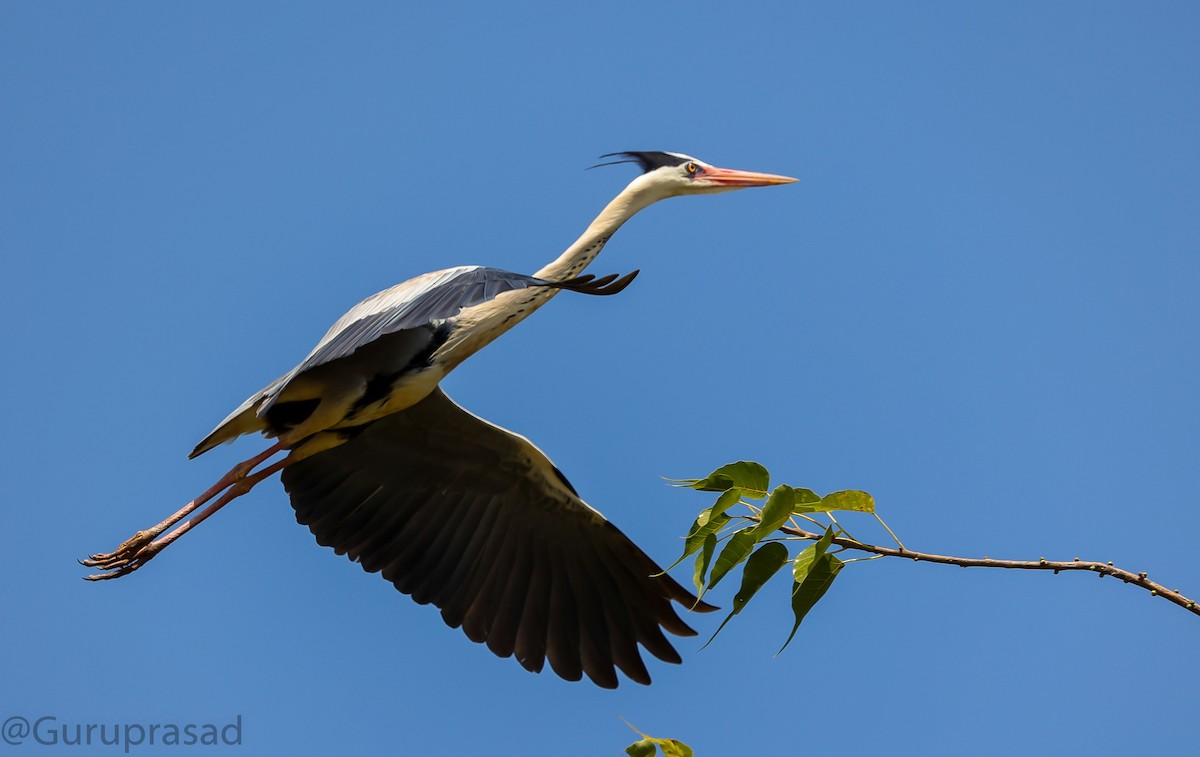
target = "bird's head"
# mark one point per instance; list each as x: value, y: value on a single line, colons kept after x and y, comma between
x: 673, y: 174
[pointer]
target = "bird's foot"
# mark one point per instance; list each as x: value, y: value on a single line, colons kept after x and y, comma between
x: 133, y: 553
x: 128, y: 548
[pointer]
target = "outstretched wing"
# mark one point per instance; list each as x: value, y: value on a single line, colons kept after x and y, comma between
x: 459, y: 512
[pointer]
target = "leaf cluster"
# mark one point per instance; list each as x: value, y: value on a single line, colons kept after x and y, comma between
x: 752, y: 539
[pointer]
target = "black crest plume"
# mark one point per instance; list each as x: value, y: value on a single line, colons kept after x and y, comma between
x: 647, y: 160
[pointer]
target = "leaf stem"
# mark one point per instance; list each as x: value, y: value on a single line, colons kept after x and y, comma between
x: 889, y: 530
x: 862, y: 559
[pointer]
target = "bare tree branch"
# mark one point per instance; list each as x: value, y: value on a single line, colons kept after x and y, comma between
x: 1102, y: 569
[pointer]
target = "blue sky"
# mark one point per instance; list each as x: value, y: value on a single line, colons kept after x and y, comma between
x: 979, y: 303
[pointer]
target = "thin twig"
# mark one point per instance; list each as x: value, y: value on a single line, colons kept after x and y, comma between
x: 1102, y: 569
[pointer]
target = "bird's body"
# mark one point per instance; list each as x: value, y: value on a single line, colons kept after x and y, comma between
x: 451, y: 509
x: 386, y: 354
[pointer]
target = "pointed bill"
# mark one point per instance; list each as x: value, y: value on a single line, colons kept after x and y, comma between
x: 729, y: 177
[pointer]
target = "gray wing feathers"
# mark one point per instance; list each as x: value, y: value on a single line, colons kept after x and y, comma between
x: 416, y: 306
x: 417, y: 302
x: 474, y: 519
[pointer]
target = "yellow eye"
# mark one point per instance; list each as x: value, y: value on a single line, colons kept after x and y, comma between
x: 691, y: 168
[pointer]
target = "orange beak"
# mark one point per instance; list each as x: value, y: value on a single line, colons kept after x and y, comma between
x: 728, y: 177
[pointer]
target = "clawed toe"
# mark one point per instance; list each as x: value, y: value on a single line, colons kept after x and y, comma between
x: 128, y: 547
x: 131, y: 555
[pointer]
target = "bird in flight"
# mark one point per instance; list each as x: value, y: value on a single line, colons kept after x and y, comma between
x: 386, y: 469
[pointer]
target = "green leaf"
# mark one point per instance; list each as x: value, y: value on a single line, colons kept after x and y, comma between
x: 674, y: 748
x: 732, y: 554
x: 807, y: 594
x: 804, y: 561
x: 646, y: 747
x: 856, y: 501
x: 777, y: 510
x: 643, y: 748
x: 751, y: 478
x: 760, y: 568
x: 813, y: 573
x: 702, y: 561
x: 806, y: 497
x: 762, y: 565
x: 698, y: 534
x: 724, y: 502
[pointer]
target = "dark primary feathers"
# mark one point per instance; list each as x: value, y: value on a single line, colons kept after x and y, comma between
x: 461, y: 513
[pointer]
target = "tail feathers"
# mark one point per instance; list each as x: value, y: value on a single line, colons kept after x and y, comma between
x: 244, y: 420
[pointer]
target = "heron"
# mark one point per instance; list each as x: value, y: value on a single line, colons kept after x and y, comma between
x: 386, y: 469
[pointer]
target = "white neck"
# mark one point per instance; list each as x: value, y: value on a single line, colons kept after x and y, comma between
x: 479, y: 325
x: 635, y: 197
